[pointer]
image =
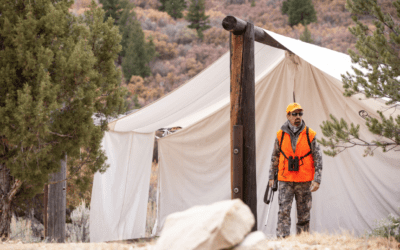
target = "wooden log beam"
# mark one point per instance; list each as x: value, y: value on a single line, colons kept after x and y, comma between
x: 236, y: 55
x: 249, y: 123
x: 237, y: 26
x: 243, y: 118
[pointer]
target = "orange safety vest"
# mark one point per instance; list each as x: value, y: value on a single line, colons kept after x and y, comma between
x: 303, y: 151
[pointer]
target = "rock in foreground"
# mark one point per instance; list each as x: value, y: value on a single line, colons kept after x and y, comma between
x: 216, y: 226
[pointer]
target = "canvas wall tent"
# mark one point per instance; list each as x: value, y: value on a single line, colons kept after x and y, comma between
x: 194, y: 163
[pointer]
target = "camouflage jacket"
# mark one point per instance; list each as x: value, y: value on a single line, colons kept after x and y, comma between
x: 315, y: 151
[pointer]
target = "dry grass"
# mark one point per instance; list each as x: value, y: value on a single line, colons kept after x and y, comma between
x: 75, y: 246
x: 315, y: 241
x: 319, y: 241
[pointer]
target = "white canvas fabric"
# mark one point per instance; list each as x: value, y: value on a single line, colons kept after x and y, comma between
x: 195, y: 161
x: 329, y: 61
x: 205, y: 90
x: 119, y: 198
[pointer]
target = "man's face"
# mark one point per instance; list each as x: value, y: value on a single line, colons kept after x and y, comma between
x: 295, y: 118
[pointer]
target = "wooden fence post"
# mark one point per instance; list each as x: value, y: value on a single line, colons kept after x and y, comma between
x: 57, y: 205
x: 45, y: 207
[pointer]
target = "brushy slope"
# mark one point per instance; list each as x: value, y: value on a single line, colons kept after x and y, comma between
x: 182, y: 55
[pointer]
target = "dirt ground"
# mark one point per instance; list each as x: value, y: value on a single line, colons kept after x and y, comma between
x: 314, y: 241
x: 75, y: 246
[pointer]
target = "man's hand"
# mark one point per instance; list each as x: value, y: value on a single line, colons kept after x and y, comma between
x: 314, y: 186
x: 271, y: 183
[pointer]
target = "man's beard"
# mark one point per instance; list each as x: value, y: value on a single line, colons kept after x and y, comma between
x: 297, y: 122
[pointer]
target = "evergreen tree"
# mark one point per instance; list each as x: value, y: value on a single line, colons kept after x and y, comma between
x: 174, y: 8
x: 56, y: 71
x: 377, y: 54
x: 113, y: 9
x: 197, y: 17
x: 299, y: 11
x: 136, y: 52
x: 162, y: 6
x: 306, y: 36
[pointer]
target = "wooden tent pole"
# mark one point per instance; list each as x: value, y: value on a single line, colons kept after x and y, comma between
x: 249, y: 123
x: 243, y: 146
x: 236, y: 51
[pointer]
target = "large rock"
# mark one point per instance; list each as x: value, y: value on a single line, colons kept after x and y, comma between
x: 216, y: 226
x: 253, y: 241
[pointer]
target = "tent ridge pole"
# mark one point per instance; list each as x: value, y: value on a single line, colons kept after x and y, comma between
x: 238, y: 27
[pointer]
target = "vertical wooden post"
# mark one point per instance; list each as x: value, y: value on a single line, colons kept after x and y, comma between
x: 237, y: 162
x: 243, y: 113
x: 57, y: 205
x: 236, y: 52
x: 249, y: 124
x: 45, y: 205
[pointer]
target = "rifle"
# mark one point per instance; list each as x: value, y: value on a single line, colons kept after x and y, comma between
x: 269, y: 194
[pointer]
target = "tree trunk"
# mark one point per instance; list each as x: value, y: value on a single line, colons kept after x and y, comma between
x: 7, y: 194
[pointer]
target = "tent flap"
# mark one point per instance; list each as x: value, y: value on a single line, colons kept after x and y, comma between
x: 120, y: 195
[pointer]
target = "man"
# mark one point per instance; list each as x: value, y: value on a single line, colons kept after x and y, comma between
x: 297, y: 158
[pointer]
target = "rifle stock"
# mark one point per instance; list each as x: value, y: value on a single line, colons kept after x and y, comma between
x: 269, y: 191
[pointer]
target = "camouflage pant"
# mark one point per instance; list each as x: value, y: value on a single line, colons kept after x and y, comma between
x: 302, y: 194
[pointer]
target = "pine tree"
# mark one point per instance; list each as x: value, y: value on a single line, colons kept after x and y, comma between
x: 113, y: 9
x: 306, y: 36
x: 162, y: 6
x: 377, y: 55
x: 136, y: 52
x: 174, y: 8
x: 197, y: 17
x: 57, y: 71
x: 299, y: 11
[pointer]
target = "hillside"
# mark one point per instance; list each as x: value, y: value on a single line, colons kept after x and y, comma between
x: 181, y: 55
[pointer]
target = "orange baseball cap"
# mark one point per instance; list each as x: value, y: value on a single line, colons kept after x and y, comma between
x: 292, y: 107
